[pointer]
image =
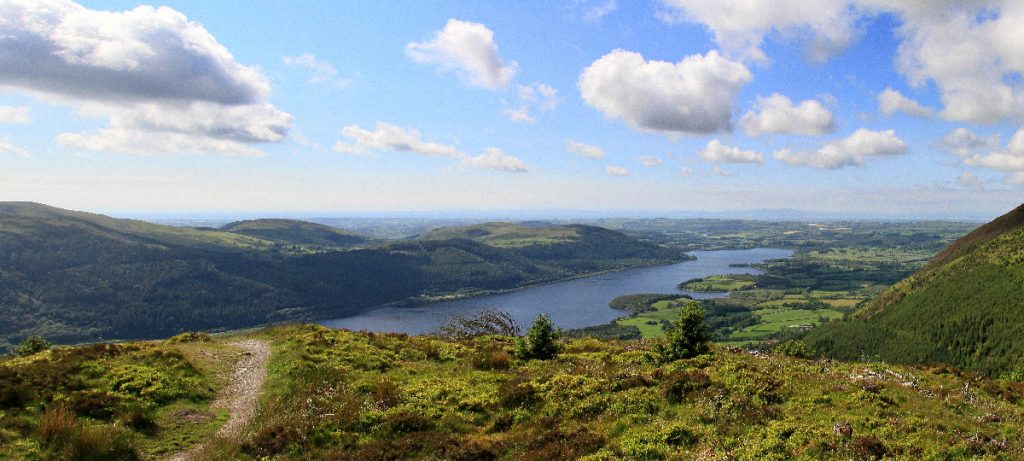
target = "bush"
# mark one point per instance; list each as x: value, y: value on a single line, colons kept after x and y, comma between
x: 32, y: 345
x: 794, y: 348
x: 190, y: 337
x: 540, y: 342
x: 687, y: 336
x: 485, y: 322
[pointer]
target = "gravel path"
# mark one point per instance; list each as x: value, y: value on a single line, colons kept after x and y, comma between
x: 240, y: 395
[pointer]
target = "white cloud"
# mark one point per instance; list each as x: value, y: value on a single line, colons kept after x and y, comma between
x: 740, y: 26
x: 972, y: 51
x: 891, y: 101
x: 716, y: 152
x: 469, y: 49
x: 849, y: 151
x: 970, y: 181
x: 1009, y: 159
x: 320, y: 72
x: 964, y: 143
x: 694, y: 95
x: 686, y: 172
x: 163, y: 81
x: 14, y: 114
x: 393, y: 138
x: 596, y: 12
x: 540, y: 97
x: 586, y: 150
x: 650, y: 161
x: 616, y: 171
x: 8, y: 147
x: 496, y: 159
x: 777, y: 115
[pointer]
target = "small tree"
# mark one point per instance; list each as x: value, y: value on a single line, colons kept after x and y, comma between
x: 540, y: 341
x: 794, y: 348
x: 687, y: 336
x: 32, y: 345
x: 485, y: 322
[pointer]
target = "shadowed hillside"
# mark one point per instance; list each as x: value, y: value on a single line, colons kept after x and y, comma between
x: 289, y: 231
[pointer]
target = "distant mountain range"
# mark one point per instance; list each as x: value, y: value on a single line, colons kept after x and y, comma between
x: 73, y: 276
x: 965, y: 308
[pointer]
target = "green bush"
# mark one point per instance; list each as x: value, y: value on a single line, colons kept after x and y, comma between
x: 687, y: 336
x: 794, y: 348
x: 540, y: 342
x: 32, y: 345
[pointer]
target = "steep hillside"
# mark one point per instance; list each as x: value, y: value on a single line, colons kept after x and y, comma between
x: 73, y: 276
x: 288, y: 231
x: 965, y: 307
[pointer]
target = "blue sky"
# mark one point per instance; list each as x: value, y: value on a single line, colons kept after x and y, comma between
x: 877, y: 108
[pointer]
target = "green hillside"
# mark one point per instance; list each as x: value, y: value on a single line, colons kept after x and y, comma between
x: 72, y: 276
x: 965, y: 308
x: 288, y: 231
x: 338, y: 395
x: 506, y: 235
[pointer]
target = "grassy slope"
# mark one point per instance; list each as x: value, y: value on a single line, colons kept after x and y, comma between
x: 506, y: 235
x: 964, y: 307
x: 358, y: 396
x: 294, y: 232
x: 106, y: 387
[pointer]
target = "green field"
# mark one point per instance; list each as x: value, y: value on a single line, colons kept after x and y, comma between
x: 720, y: 283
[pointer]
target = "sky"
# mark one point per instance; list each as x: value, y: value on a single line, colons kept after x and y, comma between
x: 894, y: 108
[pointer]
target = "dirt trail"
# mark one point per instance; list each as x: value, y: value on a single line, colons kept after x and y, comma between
x: 240, y: 395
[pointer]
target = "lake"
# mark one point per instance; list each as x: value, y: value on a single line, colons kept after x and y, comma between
x: 571, y: 304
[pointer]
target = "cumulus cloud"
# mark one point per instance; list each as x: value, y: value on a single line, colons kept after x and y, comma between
x: 740, y: 26
x: 891, y: 101
x: 965, y: 143
x: 970, y: 181
x: 776, y: 114
x: 539, y: 97
x: 390, y: 137
x: 686, y: 172
x: 15, y: 114
x: 694, y: 95
x: 616, y: 171
x: 467, y: 48
x: 152, y: 72
x: 650, y: 161
x: 849, y: 151
x: 971, y: 51
x: 716, y: 152
x: 989, y: 153
x: 496, y: 159
x: 584, y: 149
x: 320, y: 72
x: 8, y: 147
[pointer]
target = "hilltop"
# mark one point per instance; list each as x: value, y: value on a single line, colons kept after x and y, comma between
x: 965, y: 307
x: 340, y: 395
x: 293, y: 232
x: 72, y: 276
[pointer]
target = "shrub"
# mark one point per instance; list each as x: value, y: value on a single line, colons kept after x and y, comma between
x: 190, y: 337
x: 794, y: 348
x: 517, y: 393
x: 491, y: 360
x: 687, y: 336
x: 32, y: 345
x: 680, y: 384
x: 404, y: 422
x: 485, y: 322
x: 540, y: 342
x: 387, y: 394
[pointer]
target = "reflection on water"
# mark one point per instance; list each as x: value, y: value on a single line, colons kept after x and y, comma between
x: 571, y: 304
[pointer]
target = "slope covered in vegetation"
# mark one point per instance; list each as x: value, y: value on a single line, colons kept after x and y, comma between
x: 292, y: 232
x: 965, y: 308
x: 71, y: 276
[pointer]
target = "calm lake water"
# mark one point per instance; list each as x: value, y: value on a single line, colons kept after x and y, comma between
x: 571, y: 304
